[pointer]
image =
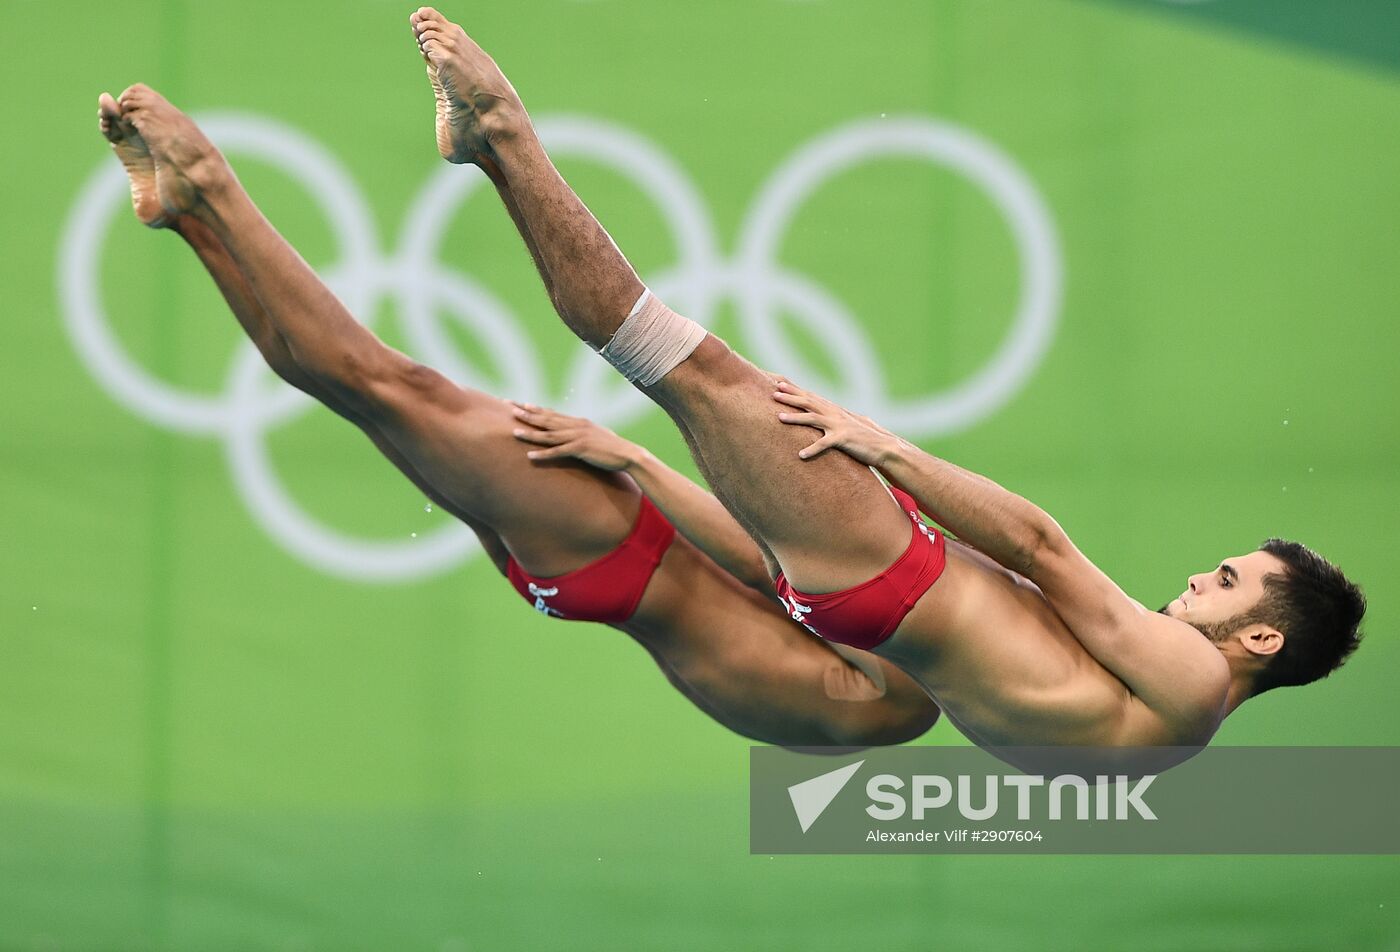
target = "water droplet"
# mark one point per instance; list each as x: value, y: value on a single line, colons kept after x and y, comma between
x: 428, y: 507
x: 413, y: 535
x: 1285, y: 489
x: 1285, y: 422
x: 882, y: 115
x: 1310, y: 469
x: 35, y: 608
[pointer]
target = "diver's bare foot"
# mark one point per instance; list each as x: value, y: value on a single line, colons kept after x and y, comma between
x: 455, y: 142
x: 476, y: 105
x: 135, y: 157
x: 186, y: 163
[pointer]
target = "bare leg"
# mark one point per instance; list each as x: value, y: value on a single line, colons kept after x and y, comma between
x: 135, y: 157
x: 433, y: 423
x: 828, y: 521
x: 498, y: 179
x: 776, y: 685
x: 793, y: 690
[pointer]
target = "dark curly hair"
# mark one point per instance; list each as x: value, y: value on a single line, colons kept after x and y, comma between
x: 1318, y: 610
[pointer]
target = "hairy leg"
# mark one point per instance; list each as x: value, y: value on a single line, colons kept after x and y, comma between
x: 828, y: 521
x: 493, y: 172
x: 789, y: 689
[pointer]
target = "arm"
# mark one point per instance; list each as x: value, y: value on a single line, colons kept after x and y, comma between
x: 1165, y: 663
x: 698, y: 515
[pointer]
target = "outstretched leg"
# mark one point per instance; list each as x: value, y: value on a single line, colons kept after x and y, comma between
x: 135, y: 157
x: 773, y: 684
x: 493, y: 172
x: 828, y: 521
x: 433, y: 424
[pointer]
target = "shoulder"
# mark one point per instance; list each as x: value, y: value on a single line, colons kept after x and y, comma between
x: 1194, y: 677
x: 1183, y: 638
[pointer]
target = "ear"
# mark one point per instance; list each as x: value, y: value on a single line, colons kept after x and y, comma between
x: 1262, y: 641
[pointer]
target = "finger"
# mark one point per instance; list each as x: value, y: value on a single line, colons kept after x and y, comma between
x: 817, y: 448
x: 540, y: 418
x: 543, y: 437
x: 797, y: 397
x: 549, y: 411
x: 554, y: 452
x: 540, y: 437
x: 549, y: 419
x: 803, y: 419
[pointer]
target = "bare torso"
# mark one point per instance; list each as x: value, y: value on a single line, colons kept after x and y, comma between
x: 1003, y: 666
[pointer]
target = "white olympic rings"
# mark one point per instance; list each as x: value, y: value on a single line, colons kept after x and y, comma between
x: 698, y: 282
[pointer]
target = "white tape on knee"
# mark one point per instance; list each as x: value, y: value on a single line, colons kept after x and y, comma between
x: 652, y: 341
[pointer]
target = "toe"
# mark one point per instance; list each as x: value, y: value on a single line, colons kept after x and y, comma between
x: 429, y: 41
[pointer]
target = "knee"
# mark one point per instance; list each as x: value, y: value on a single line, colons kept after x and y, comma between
x: 419, y: 380
x: 716, y: 359
x: 713, y: 376
x: 345, y: 379
x: 403, y: 386
x: 353, y: 374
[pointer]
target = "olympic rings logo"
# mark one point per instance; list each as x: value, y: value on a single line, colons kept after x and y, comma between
x: 695, y: 285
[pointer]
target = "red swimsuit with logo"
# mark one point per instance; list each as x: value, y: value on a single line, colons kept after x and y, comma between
x: 867, y: 614
x: 607, y: 589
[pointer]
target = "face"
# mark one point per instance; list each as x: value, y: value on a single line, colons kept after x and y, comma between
x: 1212, y: 599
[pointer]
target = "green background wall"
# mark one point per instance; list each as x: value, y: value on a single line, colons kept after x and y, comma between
x: 208, y: 743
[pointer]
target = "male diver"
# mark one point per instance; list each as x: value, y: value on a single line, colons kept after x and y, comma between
x: 1019, y: 638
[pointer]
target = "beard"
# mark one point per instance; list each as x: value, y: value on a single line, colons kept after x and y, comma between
x: 1214, y: 632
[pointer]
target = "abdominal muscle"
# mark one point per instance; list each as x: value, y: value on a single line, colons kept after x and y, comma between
x: 998, y: 660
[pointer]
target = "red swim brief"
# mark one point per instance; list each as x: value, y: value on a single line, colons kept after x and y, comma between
x: 607, y: 589
x: 867, y: 614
